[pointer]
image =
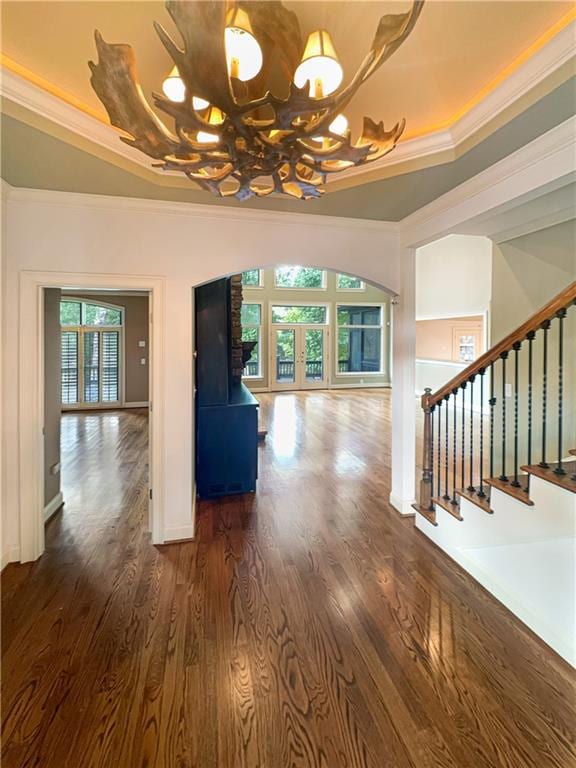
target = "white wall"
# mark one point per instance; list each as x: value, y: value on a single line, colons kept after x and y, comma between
x: 186, y: 245
x: 453, y: 279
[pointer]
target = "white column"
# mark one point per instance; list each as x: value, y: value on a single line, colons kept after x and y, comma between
x: 402, y: 494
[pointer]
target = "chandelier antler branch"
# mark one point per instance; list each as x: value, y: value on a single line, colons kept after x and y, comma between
x: 229, y: 139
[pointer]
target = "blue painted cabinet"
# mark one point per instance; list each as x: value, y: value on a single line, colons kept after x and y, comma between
x: 227, y: 412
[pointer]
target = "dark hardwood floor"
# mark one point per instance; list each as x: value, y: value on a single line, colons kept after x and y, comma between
x: 308, y: 626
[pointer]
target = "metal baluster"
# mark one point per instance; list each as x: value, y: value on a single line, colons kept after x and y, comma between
x: 492, y: 403
x: 561, y: 314
x: 545, y: 327
x: 481, y: 493
x: 439, y: 447
x: 516, y: 347
x: 530, y: 338
x: 471, y: 487
x: 446, y: 496
x: 503, y: 476
x: 431, y: 505
x: 454, y: 444
x: 462, y: 462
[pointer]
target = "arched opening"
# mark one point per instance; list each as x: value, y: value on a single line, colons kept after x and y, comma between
x: 318, y: 369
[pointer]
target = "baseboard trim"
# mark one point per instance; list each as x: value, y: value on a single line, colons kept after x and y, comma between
x: 11, y: 555
x: 53, y: 506
x: 380, y: 385
x: 135, y: 404
x: 182, y: 533
x: 404, y: 507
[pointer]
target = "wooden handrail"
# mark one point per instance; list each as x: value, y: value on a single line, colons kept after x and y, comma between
x: 547, y: 312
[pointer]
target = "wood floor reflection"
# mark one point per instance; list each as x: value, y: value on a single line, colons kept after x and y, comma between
x: 308, y: 626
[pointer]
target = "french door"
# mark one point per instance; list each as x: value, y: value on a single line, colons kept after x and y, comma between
x: 299, y: 357
x: 90, y: 367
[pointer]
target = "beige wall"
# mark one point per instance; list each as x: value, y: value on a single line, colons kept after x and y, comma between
x: 51, y: 393
x: 136, y: 327
x: 268, y: 294
x: 527, y: 272
x: 435, y: 338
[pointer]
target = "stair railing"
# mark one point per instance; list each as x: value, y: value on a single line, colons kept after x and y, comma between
x: 461, y: 453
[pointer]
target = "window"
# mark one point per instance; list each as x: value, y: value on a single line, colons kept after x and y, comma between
x: 349, y: 283
x: 251, y: 318
x: 90, y: 353
x: 300, y: 277
x: 359, y: 339
x: 294, y: 313
x: 252, y: 278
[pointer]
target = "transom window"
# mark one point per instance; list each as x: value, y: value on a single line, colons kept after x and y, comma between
x: 349, y: 283
x: 251, y: 318
x: 252, y: 278
x: 303, y: 278
x: 294, y: 313
x: 90, y: 353
x: 85, y: 313
x: 359, y: 338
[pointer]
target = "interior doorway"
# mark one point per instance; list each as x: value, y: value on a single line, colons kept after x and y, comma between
x: 299, y: 357
x: 96, y: 399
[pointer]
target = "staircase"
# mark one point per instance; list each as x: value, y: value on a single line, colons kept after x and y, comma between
x: 498, y: 487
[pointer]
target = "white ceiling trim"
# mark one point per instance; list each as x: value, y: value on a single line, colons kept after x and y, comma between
x: 545, y: 62
x: 16, y: 195
x: 547, y: 163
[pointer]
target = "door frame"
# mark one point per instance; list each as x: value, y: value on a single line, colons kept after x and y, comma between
x: 31, y: 385
x: 299, y: 382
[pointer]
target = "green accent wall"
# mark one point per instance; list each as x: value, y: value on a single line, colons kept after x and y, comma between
x: 268, y: 294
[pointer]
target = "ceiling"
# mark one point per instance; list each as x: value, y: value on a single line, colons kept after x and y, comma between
x: 457, y: 53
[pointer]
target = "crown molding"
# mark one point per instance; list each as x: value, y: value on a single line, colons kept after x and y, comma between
x: 21, y: 195
x: 556, y: 52
x: 545, y: 164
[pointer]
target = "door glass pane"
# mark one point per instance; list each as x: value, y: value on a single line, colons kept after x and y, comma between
x: 467, y: 349
x: 295, y: 314
x: 359, y: 350
x: 110, y: 366
x: 69, y: 367
x: 252, y: 367
x: 314, y: 349
x: 285, y: 355
x: 91, y: 367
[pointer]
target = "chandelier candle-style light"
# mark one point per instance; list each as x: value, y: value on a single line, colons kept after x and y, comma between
x: 255, y: 111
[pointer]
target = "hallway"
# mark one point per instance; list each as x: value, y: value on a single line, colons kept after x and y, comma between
x: 308, y: 626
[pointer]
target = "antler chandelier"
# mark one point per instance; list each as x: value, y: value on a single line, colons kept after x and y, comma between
x: 231, y: 134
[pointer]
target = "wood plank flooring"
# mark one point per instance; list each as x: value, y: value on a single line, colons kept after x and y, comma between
x: 308, y: 626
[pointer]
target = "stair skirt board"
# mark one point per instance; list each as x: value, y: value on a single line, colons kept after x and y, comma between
x: 524, y: 555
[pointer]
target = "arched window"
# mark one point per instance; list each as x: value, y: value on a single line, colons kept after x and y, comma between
x: 91, y: 353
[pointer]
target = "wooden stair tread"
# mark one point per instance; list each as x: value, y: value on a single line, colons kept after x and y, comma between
x: 446, y: 504
x: 429, y: 514
x: 564, y: 481
x: 482, y: 502
x: 521, y: 494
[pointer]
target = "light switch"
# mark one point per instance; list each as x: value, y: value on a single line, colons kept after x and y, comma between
x: 508, y: 389
x: 141, y: 343
x: 142, y: 361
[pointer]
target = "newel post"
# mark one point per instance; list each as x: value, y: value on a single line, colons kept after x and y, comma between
x: 425, y: 500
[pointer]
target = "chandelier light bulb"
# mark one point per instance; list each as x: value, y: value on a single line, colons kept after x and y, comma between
x: 319, y: 66
x: 203, y: 137
x: 243, y: 52
x: 339, y: 125
x: 173, y: 86
x: 199, y: 104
